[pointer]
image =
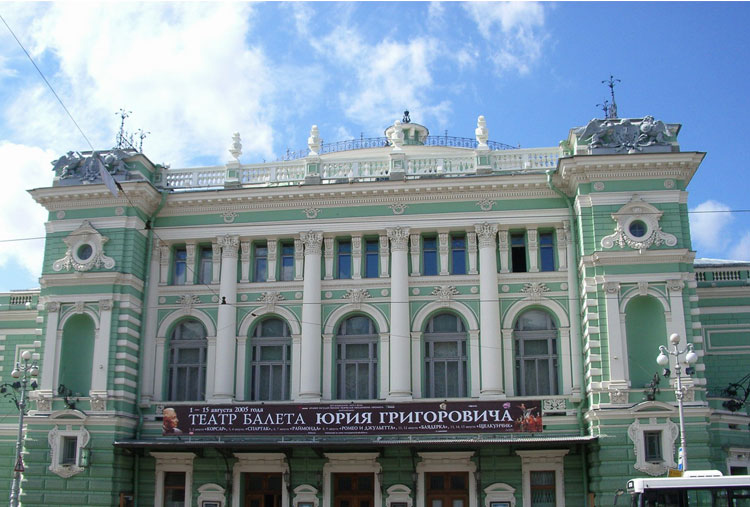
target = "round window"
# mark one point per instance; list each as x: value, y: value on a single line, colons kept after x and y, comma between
x: 637, y: 228
x: 85, y: 251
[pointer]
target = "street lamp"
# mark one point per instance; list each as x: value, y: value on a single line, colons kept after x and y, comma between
x: 690, y: 358
x: 23, y: 372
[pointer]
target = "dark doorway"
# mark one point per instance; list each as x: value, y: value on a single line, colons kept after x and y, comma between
x: 262, y: 490
x: 446, y: 489
x: 353, y: 490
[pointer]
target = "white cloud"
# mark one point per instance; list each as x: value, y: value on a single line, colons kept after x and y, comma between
x: 707, y: 223
x: 23, y: 167
x: 185, y: 70
x: 741, y: 251
x: 512, y: 30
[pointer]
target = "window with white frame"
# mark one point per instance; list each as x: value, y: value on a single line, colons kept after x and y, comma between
x: 187, y: 361
x: 372, y: 258
x: 356, y: 359
x: 286, y: 269
x: 542, y: 477
x: 260, y: 262
x: 344, y: 259
x: 174, y: 479
x: 653, y: 443
x: 270, y: 362
x: 445, y: 356
x: 206, y: 267
x: 458, y: 254
x: 535, y: 337
x: 179, y: 272
x: 67, y: 447
x: 429, y: 256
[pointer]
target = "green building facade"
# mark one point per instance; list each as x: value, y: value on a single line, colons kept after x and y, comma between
x: 409, y: 321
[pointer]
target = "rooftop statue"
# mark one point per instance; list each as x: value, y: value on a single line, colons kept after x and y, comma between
x: 613, y: 135
x: 74, y: 166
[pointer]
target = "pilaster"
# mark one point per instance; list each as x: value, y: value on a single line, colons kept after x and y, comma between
x: 226, y: 321
x: 400, y: 322
x: 311, y: 326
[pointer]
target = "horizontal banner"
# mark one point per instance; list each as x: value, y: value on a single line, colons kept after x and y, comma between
x: 355, y: 418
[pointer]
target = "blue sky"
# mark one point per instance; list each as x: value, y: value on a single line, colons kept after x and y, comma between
x: 195, y: 73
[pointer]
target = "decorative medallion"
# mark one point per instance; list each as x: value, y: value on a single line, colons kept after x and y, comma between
x: 398, y: 208
x: 618, y: 397
x: 328, y: 294
x: 445, y: 293
x: 564, y: 286
x: 669, y: 184
x: 85, y: 250
x: 215, y: 299
x: 599, y: 186
x: 505, y: 288
x: 415, y: 291
x: 637, y: 227
x: 270, y: 298
x: 243, y: 297
x: 384, y: 292
x: 60, y: 214
x: 534, y: 290
x: 162, y: 300
x: 229, y: 216
x: 312, y: 212
x: 553, y: 405
x: 297, y: 295
x: 119, y: 211
x: 187, y: 301
x: 486, y: 204
x: 357, y: 296
x: 474, y: 290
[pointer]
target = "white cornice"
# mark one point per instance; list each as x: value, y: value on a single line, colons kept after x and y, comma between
x: 573, y: 171
x: 614, y: 258
x: 622, y: 198
x: 140, y: 193
x: 98, y: 223
x: 98, y: 278
x: 720, y: 292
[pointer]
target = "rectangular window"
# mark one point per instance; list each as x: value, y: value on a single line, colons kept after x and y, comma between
x: 458, y: 254
x: 371, y: 258
x: 344, y: 259
x: 174, y: 489
x: 179, y: 276
x: 518, y: 252
x: 69, y: 451
x: 287, y: 262
x: 260, y: 254
x: 429, y: 256
x: 652, y: 443
x: 206, y: 270
x: 547, y: 251
x: 542, y: 485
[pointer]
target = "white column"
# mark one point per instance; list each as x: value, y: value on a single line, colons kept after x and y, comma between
x: 272, y: 257
x: 444, y: 249
x: 508, y: 362
x: 356, y: 257
x: 576, y: 359
x: 502, y: 238
x: 100, y: 364
x: 216, y: 261
x: 400, y: 321
x: 189, y: 262
x: 489, y: 312
x: 311, y: 339
x: 532, y: 236
x: 226, y: 329
x: 49, y: 375
x: 384, y: 257
x: 244, y: 260
x: 149, y: 338
x: 471, y: 248
x: 298, y: 259
x: 617, y: 356
x: 328, y: 258
x: 241, y: 380
x: 164, y: 263
x: 415, y: 251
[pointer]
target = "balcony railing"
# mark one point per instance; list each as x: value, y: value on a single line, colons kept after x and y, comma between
x: 292, y: 172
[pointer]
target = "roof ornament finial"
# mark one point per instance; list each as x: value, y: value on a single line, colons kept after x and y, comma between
x: 236, y: 149
x: 406, y: 118
x: 482, y: 133
x: 121, y: 139
x: 612, y: 109
x: 604, y: 106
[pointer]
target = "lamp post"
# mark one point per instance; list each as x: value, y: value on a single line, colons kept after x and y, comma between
x: 663, y: 360
x: 23, y: 372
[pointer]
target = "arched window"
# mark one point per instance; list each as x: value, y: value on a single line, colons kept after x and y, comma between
x: 77, y: 354
x: 271, y: 345
x: 535, y: 338
x: 187, y: 361
x: 356, y: 359
x: 445, y: 357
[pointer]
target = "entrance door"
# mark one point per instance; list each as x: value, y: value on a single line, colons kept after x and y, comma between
x: 447, y: 489
x: 353, y: 490
x: 262, y: 490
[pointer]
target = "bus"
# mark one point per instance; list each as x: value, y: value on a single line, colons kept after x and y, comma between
x: 700, y: 488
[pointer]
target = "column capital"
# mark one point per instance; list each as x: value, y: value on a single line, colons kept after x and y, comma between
x: 486, y: 234
x: 52, y: 307
x: 229, y: 245
x: 105, y: 305
x: 312, y: 241
x: 675, y: 285
x: 611, y: 287
x: 399, y: 237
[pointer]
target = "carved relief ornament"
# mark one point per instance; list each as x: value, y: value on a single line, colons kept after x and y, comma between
x: 637, y: 227
x: 486, y: 234
x: 85, y: 251
x: 399, y: 237
x: 312, y: 241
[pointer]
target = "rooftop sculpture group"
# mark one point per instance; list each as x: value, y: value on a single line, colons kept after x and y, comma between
x: 75, y: 166
x: 619, y: 134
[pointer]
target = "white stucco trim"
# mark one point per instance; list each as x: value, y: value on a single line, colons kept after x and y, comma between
x: 351, y: 462
x: 173, y: 462
x: 543, y: 460
x: 260, y: 462
x: 446, y: 462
